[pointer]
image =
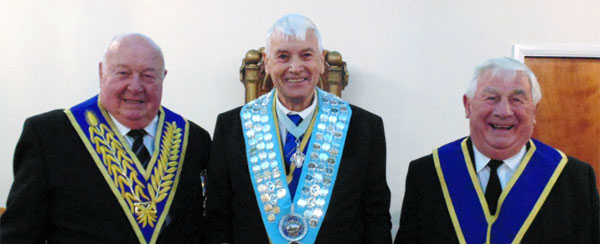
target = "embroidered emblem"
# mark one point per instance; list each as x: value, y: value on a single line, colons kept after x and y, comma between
x: 142, y: 200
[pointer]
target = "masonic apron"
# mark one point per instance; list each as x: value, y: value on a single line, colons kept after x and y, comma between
x: 518, y: 204
x: 145, y: 194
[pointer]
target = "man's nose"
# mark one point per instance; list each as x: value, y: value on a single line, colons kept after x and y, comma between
x: 296, y: 65
x: 135, y: 83
x: 503, y: 108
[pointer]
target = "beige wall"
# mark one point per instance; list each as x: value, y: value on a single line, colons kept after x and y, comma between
x: 409, y: 60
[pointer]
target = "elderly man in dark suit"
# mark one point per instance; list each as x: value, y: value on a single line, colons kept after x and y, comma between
x: 117, y: 168
x: 499, y: 185
x: 298, y: 165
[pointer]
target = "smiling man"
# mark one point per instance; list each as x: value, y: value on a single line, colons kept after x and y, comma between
x: 499, y: 185
x: 117, y: 168
x: 298, y: 165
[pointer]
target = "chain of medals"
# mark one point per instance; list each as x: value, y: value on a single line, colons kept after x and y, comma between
x: 316, y: 182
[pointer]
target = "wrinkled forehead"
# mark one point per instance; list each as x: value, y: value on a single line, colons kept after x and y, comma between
x: 503, y: 81
x: 280, y: 40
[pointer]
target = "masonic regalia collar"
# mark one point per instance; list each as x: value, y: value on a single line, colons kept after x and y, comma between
x: 145, y: 194
x: 518, y: 204
x: 284, y: 220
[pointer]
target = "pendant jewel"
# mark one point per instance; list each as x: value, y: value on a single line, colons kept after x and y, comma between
x: 298, y: 159
x: 293, y: 227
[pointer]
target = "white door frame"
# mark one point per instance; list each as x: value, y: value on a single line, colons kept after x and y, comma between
x: 520, y: 51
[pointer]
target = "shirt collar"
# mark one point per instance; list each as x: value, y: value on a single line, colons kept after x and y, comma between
x: 150, y: 128
x: 513, y: 162
x: 304, y: 113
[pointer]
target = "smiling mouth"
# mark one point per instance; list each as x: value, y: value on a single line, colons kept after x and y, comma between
x: 133, y: 101
x: 297, y: 80
x: 502, y: 127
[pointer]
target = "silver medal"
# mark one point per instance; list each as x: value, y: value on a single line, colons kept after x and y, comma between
x: 298, y: 157
x: 293, y: 227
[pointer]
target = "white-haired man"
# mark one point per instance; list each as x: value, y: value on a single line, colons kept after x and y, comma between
x: 499, y: 185
x: 117, y: 168
x: 298, y: 165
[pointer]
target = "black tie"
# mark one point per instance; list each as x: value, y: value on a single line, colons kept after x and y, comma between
x: 141, y: 152
x: 493, y: 189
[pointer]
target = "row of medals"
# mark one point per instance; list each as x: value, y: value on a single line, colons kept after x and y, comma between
x: 267, y: 172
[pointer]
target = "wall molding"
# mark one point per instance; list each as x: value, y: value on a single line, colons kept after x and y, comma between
x: 520, y: 51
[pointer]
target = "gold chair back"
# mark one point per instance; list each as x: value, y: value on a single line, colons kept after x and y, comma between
x: 257, y: 83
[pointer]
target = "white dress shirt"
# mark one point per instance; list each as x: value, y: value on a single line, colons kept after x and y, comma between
x: 505, y: 171
x: 148, y: 138
x: 304, y: 113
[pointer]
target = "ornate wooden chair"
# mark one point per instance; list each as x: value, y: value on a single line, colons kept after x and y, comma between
x: 257, y: 83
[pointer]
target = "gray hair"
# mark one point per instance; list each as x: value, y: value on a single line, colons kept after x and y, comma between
x: 506, y: 68
x: 293, y: 25
x: 118, y: 38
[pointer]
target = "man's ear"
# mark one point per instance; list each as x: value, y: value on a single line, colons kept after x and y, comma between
x: 323, y: 61
x: 100, y: 71
x: 266, y: 62
x: 534, y: 113
x: 467, y: 105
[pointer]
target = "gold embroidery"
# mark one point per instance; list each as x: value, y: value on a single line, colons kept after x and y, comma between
x: 120, y: 167
x: 162, y: 178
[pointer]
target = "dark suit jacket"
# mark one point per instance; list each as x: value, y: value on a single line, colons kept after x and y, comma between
x: 60, y: 195
x: 569, y: 215
x: 359, y: 207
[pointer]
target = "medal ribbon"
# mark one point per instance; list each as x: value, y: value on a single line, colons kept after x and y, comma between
x: 519, y: 202
x: 145, y: 195
x: 296, y: 130
x: 306, y: 125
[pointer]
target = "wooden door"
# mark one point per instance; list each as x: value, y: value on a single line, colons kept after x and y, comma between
x: 568, y: 116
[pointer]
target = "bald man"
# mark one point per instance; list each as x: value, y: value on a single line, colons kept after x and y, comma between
x: 117, y: 168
